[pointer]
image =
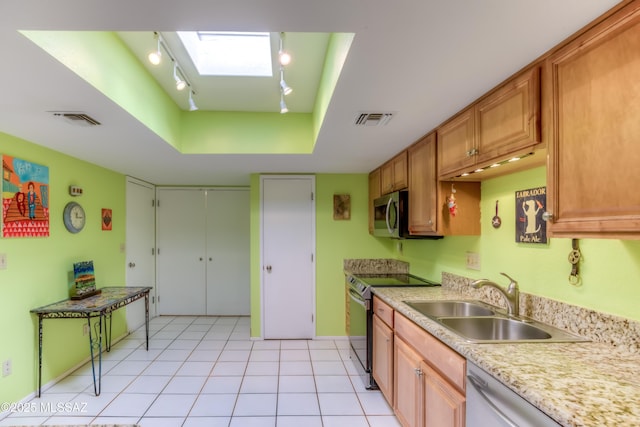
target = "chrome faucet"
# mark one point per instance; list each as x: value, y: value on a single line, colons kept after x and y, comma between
x: 511, y: 293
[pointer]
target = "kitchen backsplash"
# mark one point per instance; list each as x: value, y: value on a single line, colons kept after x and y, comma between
x: 621, y: 333
x: 375, y: 265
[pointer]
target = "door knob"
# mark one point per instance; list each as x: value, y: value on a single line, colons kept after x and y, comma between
x: 132, y: 264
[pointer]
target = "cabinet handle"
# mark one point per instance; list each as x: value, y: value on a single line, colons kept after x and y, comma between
x: 418, y: 372
x: 547, y: 216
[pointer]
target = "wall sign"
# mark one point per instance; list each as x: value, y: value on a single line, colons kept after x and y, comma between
x: 341, y: 206
x: 530, y: 205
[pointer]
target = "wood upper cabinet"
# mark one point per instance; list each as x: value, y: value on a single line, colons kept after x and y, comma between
x: 374, y: 193
x: 393, y: 174
x: 456, y: 143
x: 423, y: 194
x: 503, y: 123
x: 594, y: 153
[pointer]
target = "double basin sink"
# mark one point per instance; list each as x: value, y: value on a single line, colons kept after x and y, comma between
x: 478, y: 322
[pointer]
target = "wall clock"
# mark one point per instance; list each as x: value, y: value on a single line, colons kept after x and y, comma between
x: 73, y: 217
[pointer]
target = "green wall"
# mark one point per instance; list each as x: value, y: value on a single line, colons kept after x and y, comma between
x: 37, y: 268
x: 609, y: 268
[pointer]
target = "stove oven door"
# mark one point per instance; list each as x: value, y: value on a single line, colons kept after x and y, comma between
x: 358, y: 327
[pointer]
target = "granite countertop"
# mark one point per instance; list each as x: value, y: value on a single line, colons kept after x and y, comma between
x: 577, y: 384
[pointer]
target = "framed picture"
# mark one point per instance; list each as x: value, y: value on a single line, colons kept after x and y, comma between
x: 341, y: 206
x: 25, y: 198
x: 530, y: 205
x: 107, y: 219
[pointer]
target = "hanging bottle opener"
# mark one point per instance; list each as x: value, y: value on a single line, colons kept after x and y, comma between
x: 496, y: 221
x: 574, y: 260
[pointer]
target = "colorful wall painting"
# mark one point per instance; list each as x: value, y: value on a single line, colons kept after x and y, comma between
x: 107, y: 219
x: 25, y: 198
x: 530, y: 205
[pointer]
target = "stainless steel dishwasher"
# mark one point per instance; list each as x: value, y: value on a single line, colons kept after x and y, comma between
x: 492, y: 404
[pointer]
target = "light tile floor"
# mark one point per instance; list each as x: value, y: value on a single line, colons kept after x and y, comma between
x: 206, y: 371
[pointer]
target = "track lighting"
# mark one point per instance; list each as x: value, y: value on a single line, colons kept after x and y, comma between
x: 283, y: 85
x: 180, y: 83
x: 283, y: 56
x: 156, y: 56
x: 283, y: 105
x: 192, y: 104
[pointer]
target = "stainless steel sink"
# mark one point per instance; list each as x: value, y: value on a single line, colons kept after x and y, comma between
x: 478, y: 322
x: 437, y: 309
x: 494, y: 329
x: 503, y: 329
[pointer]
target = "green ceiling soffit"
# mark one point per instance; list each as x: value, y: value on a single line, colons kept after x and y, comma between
x: 91, y: 55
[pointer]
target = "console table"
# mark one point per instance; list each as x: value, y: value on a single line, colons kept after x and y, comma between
x: 100, y: 306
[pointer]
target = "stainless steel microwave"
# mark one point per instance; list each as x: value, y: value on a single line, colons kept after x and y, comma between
x: 391, y: 215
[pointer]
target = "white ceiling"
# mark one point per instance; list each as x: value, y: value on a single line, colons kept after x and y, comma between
x: 424, y: 59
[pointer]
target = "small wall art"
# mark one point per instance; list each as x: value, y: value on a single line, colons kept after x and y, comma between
x: 25, y: 198
x: 107, y: 219
x: 341, y: 206
x: 530, y: 205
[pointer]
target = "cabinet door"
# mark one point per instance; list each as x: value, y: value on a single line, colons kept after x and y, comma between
x: 374, y: 193
x: 407, y: 385
x: 400, y: 171
x: 594, y: 89
x: 508, y: 120
x: 456, y: 144
x: 422, y: 186
x: 383, y: 357
x: 393, y: 174
x: 444, y: 405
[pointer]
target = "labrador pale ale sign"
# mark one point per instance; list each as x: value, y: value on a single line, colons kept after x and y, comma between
x: 530, y: 205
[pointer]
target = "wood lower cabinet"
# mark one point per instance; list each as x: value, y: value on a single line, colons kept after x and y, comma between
x: 382, y: 364
x: 429, y: 379
x: 407, y: 385
x: 445, y: 405
x: 593, y: 90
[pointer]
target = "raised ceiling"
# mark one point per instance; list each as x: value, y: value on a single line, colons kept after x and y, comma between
x: 423, y: 60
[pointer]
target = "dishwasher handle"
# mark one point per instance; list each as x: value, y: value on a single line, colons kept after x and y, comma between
x: 479, y: 385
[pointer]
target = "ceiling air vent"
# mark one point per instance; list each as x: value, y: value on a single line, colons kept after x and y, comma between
x: 79, y: 119
x: 373, y: 119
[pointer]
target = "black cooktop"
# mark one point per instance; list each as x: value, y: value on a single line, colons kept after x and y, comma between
x: 393, y: 279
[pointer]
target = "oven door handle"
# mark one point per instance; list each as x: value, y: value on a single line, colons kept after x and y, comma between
x: 355, y: 296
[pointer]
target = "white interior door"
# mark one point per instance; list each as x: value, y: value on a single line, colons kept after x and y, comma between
x: 228, y: 290
x: 288, y: 251
x: 181, y: 253
x: 140, y: 247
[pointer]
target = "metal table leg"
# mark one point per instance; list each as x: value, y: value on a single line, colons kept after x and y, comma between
x: 39, y: 355
x: 96, y: 343
x: 146, y: 317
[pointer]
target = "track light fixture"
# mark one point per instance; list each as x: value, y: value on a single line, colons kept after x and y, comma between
x: 192, y: 104
x: 283, y: 85
x: 156, y: 56
x: 283, y: 105
x: 283, y: 56
x: 180, y: 82
x: 180, y: 77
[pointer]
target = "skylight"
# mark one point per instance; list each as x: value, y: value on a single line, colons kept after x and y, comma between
x: 220, y: 53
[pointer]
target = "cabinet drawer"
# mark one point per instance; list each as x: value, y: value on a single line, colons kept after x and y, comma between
x: 383, y: 311
x: 445, y: 360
